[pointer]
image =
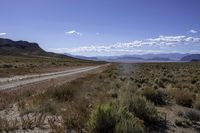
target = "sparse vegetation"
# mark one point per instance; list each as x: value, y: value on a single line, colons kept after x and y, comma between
x: 20, y: 65
x: 63, y: 93
x: 147, y: 97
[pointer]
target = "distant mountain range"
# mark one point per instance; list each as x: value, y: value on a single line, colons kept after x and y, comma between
x: 10, y: 47
x: 169, y: 57
x: 138, y: 58
x: 82, y: 57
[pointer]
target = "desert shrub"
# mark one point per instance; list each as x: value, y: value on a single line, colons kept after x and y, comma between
x: 107, y: 119
x: 194, y: 80
x: 193, y: 115
x: 158, y: 97
x: 63, y: 93
x: 183, y: 97
x: 112, y: 93
x: 197, y: 103
x: 49, y: 107
x: 198, y: 84
x: 7, y: 66
x: 128, y: 123
x: 149, y: 93
x: 160, y: 83
x: 182, y: 122
x: 141, y: 108
x: 103, y: 119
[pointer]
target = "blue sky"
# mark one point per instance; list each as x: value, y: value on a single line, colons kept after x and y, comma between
x: 104, y: 27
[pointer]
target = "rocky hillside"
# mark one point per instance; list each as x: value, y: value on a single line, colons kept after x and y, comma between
x: 23, y: 48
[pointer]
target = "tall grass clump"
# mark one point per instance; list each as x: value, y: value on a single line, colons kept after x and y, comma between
x: 103, y: 119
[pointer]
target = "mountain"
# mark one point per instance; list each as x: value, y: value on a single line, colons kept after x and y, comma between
x: 125, y: 59
x: 23, y: 48
x: 136, y: 58
x: 129, y: 58
x: 163, y: 57
x: 9, y: 47
x: 171, y: 56
x: 191, y: 57
x: 160, y: 59
x: 82, y: 57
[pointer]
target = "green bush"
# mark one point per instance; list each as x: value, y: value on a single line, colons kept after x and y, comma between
x: 128, y: 123
x: 107, y: 119
x: 103, y: 119
x: 141, y: 108
x: 158, y: 97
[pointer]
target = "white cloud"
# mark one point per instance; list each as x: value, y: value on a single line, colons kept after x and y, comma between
x: 193, y: 31
x: 151, y: 45
x: 97, y: 33
x: 2, y: 34
x: 73, y: 32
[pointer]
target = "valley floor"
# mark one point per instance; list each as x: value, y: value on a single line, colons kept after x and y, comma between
x: 149, y: 97
x: 22, y: 65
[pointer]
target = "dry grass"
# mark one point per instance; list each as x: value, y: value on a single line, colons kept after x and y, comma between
x: 132, y: 87
x: 9, y: 126
x: 72, y: 101
x: 26, y: 122
x: 183, y: 96
x: 19, y: 65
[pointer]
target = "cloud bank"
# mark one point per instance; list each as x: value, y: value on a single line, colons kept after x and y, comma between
x: 161, y: 44
x: 2, y: 34
x: 193, y: 31
x: 73, y: 32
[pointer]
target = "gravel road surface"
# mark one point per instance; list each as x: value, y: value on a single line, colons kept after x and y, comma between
x: 7, y: 83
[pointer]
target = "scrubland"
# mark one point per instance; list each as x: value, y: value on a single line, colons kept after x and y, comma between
x: 20, y: 65
x: 124, y: 98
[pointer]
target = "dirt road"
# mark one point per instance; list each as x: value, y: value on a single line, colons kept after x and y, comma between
x: 7, y: 83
